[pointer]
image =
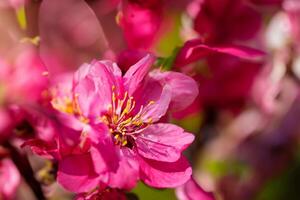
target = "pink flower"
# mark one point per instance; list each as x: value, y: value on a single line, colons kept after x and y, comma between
x: 214, y: 21
x: 121, y: 139
x: 192, y: 191
x: 218, y: 89
x: 24, y: 80
x: 140, y: 21
x: 22, y: 87
x: 9, y: 179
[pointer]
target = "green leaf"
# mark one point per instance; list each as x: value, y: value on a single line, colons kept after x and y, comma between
x: 146, y: 193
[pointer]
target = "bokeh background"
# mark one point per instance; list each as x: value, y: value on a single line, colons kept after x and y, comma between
x: 247, y: 116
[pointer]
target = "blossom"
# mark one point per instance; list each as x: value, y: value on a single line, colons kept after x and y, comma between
x: 192, y: 191
x: 121, y: 139
x: 218, y: 89
x: 140, y: 21
x: 214, y: 20
x: 22, y: 87
x: 9, y: 179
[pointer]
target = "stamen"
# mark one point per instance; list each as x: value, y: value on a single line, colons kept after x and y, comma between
x: 151, y: 103
x: 124, y: 143
x: 123, y: 125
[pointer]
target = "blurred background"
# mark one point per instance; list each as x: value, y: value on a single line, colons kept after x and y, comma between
x: 247, y: 116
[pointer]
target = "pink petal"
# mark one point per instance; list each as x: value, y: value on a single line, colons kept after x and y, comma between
x: 127, y: 58
x: 127, y: 174
x: 165, y: 174
x: 93, y: 84
x: 105, y: 156
x: 10, y: 179
x: 30, y: 87
x: 136, y: 73
x: 192, y: 191
x: 159, y: 107
x: 45, y: 149
x: 163, y: 142
x: 66, y: 44
x: 154, y: 97
x: 184, y: 88
x: 76, y: 173
x: 194, y: 50
x: 140, y: 24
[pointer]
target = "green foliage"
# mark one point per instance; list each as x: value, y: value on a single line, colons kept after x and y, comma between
x: 166, y: 63
x: 171, y: 37
x: 146, y: 193
x: 219, y: 168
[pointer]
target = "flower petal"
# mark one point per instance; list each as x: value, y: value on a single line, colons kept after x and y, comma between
x: 127, y: 174
x: 63, y: 41
x: 76, y: 173
x: 105, y: 156
x: 93, y: 84
x: 136, y: 73
x: 184, y: 88
x: 192, y: 191
x: 164, y: 174
x: 159, y: 107
x: 10, y: 179
x: 194, y: 50
x: 163, y: 142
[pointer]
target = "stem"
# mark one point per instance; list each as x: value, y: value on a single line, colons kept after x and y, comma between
x: 26, y: 171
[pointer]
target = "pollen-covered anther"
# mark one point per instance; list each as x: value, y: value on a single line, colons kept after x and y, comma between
x: 124, y: 119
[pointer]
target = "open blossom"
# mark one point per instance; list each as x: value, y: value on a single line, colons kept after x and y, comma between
x: 120, y: 138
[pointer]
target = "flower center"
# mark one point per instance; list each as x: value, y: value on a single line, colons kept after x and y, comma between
x: 123, y: 119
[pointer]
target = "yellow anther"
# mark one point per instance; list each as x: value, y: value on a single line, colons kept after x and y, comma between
x: 104, y: 120
x: 113, y: 97
x: 115, y: 119
x: 84, y: 119
x: 151, y: 102
x: 113, y: 87
x: 150, y: 120
x: 126, y: 121
x: 124, y: 143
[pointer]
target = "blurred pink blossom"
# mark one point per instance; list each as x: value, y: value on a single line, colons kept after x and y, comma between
x: 192, y: 191
x: 9, y: 179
